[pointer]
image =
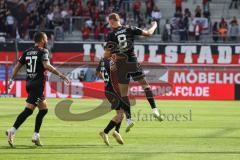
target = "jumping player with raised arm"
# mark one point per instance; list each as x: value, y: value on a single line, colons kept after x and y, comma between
x: 127, y: 65
x: 36, y: 60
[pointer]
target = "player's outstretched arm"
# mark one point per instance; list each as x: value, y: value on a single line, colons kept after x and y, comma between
x: 52, y: 69
x: 16, y: 68
x: 151, y: 30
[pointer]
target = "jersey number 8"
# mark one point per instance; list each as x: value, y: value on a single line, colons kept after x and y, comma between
x: 122, y: 40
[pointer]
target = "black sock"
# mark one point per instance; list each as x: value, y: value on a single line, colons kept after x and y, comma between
x: 39, y: 119
x: 22, y: 117
x: 117, y: 127
x: 110, y: 126
x: 128, y: 113
x: 126, y: 107
x: 149, y: 95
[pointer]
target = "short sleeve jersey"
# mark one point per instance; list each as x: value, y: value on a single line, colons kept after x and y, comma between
x: 33, y: 59
x: 121, y: 41
x: 104, y: 69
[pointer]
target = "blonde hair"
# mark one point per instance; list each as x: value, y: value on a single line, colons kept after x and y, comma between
x: 114, y: 16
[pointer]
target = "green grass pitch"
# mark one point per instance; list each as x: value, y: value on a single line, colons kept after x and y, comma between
x: 208, y: 130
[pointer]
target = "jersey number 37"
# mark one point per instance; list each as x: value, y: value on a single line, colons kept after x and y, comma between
x: 31, y: 64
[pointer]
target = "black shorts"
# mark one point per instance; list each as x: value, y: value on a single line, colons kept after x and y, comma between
x: 113, y: 99
x: 35, y: 93
x: 126, y: 70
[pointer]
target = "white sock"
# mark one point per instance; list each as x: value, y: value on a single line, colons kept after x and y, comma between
x: 13, y: 130
x: 155, y: 110
x: 36, y: 135
x: 129, y: 121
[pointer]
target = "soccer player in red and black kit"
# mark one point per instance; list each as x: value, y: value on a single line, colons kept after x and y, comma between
x: 103, y: 71
x: 36, y: 60
x: 122, y: 38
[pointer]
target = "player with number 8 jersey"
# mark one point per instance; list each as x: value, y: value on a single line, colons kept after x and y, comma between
x: 121, y: 43
x: 122, y: 39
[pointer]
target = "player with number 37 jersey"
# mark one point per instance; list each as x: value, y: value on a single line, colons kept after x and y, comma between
x: 33, y: 59
x: 36, y: 61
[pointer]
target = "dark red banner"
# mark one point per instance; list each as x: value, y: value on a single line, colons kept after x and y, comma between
x: 161, y: 91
